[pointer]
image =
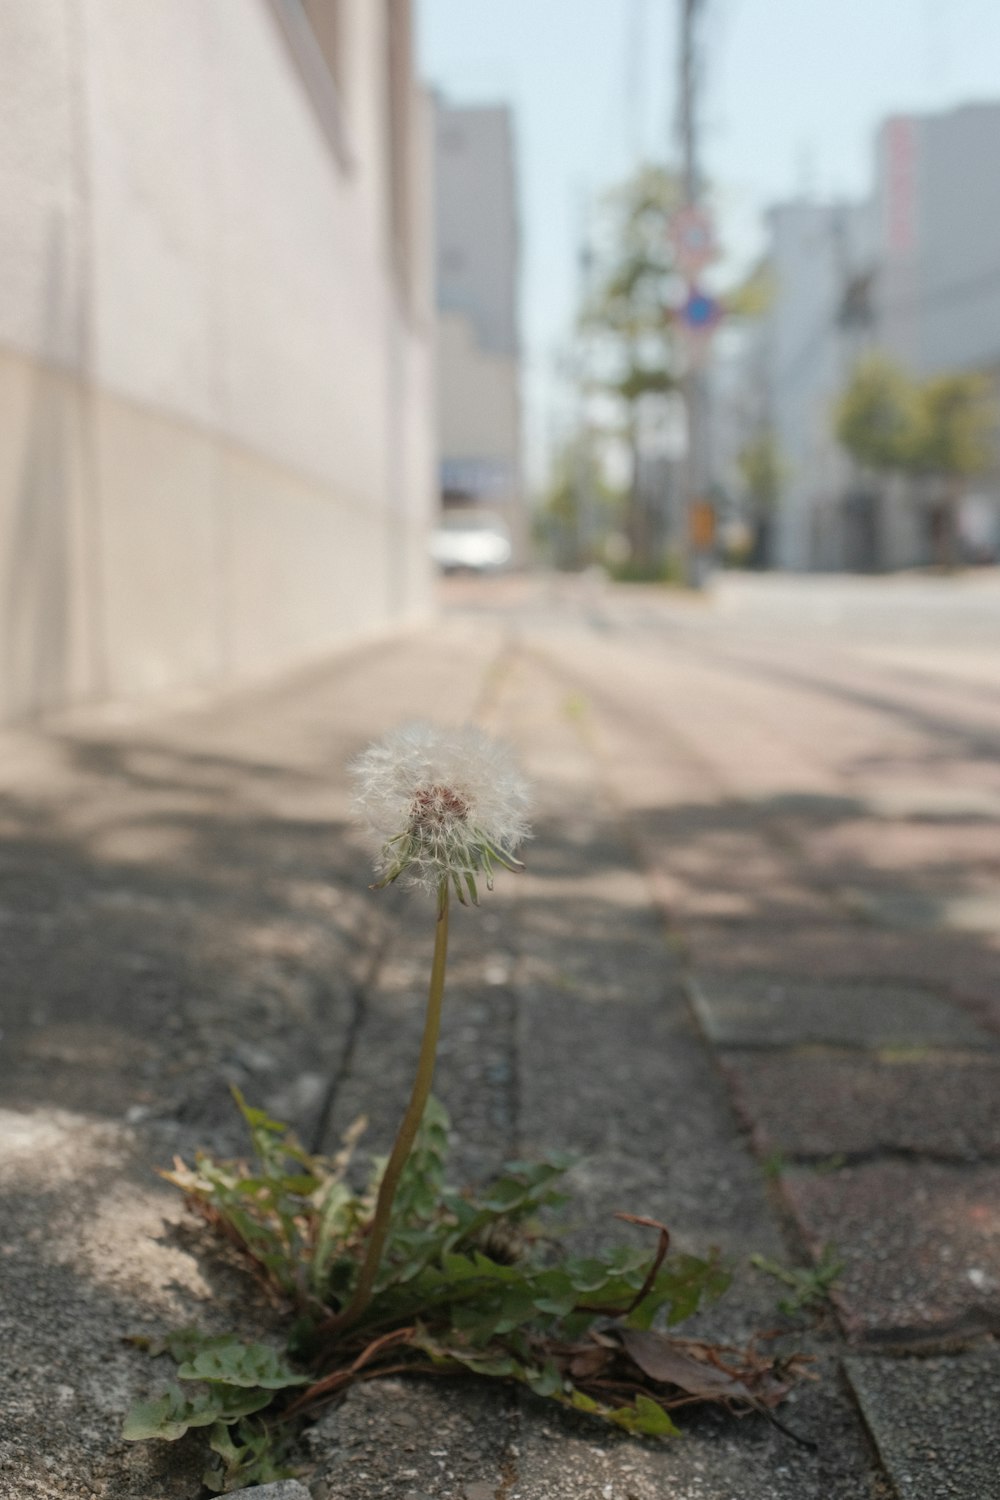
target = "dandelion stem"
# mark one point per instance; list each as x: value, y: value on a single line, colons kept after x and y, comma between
x: 406, y: 1134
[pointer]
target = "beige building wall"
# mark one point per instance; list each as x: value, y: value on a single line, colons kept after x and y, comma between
x: 216, y: 409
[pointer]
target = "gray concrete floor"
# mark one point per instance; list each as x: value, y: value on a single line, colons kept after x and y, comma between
x: 752, y: 975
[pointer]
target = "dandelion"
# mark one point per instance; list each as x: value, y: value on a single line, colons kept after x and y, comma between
x: 446, y: 806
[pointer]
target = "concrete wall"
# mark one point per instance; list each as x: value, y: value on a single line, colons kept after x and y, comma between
x: 216, y: 409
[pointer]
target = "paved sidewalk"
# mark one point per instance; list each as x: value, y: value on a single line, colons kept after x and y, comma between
x: 686, y: 988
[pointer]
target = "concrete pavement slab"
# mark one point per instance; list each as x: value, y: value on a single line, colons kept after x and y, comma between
x: 963, y: 966
x: 921, y: 851
x: 609, y: 1062
x: 782, y: 1011
x: 803, y: 1105
x: 932, y: 802
x: 920, y: 1243
x: 927, y: 911
x: 932, y: 1422
x: 92, y: 1250
x: 415, y: 1440
x: 474, y: 1077
x: 561, y: 1458
x: 449, y: 1441
x: 282, y: 1489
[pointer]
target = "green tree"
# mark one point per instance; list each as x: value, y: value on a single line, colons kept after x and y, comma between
x: 953, y: 440
x: 942, y: 431
x: 763, y: 473
x: 875, y: 418
x: 628, y: 313
x: 954, y: 426
x: 580, y: 509
x: 753, y: 297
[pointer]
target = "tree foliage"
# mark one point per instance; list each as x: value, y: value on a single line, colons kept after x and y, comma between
x: 628, y: 311
x: 875, y: 418
x: 580, y: 508
x: 941, y: 427
x: 761, y: 468
x: 753, y: 297
x: 627, y: 319
x: 953, y: 430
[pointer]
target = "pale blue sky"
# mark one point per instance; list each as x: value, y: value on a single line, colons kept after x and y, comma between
x: 793, y: 92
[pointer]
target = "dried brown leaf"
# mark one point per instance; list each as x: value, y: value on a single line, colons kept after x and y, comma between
x: 586, y: 1363
x: 700, y: 1371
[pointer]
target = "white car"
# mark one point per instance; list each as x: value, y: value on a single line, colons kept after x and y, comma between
x: 475, y: 540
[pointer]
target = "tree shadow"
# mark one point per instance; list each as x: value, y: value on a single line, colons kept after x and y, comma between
x: 172, y: 920
x: 952, y: 733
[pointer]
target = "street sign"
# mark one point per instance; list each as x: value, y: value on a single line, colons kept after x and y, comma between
x: 692, y: 235
x: 700, y: 312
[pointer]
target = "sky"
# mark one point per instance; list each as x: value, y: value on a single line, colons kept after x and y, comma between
x: 792, y: 93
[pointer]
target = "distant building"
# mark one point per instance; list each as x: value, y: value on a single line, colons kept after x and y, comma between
x: 216, y: 432
x: 937, y: 199
x: 913, y: 273
x: 478, y: 339
x: 816, y: 250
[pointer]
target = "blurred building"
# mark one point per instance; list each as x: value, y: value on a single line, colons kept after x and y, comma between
x: 914, y: 272
x: 216, y: 423
x: 937, y: 199
x: 806, y: 353
x: 478, y: 342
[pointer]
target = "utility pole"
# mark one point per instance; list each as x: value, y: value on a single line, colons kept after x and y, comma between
x: 694, y: 389
x: 686, y: 121
x: 582, y: 477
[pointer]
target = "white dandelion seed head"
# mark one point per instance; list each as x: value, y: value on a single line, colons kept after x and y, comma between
x: 442, y: 804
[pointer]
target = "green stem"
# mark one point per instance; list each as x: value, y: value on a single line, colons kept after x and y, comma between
x: 406, y: 1134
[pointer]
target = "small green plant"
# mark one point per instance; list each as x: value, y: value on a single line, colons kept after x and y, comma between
x: 467, y: 1283
x: 406, y: 1274
x: 809, y: 1284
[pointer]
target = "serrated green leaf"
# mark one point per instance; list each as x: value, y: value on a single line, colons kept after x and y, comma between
x: 165, y: 1416
x: 582, y: 1402
x: 495, y: 1366
x: 232, y: 1363
x: 250, y: 1454
x: 458, y: 1267
x: 556, y: 1307
x: 547, y: 1381
x: 646, y: 1416
x: 258, y: 1119
x: 170, y: 1415
x: 338, y: 1215
x: 586, y: 1275
x: 184, y: 1343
